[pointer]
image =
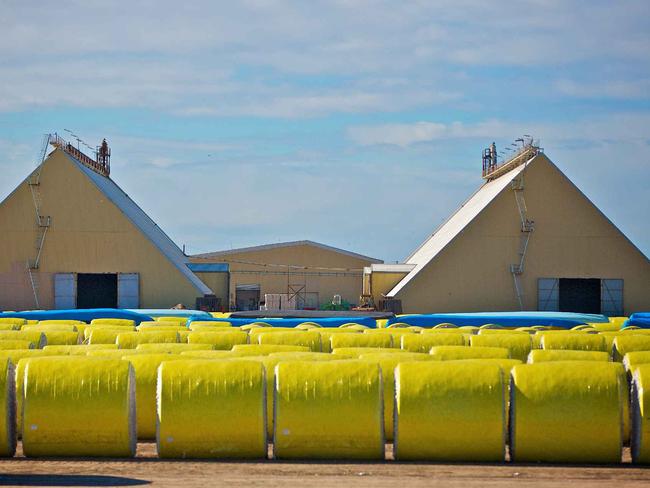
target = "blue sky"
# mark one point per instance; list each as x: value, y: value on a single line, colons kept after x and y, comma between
x: 354, y: 123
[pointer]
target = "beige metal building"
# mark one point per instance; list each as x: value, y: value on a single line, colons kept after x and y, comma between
x: 71, y: 238
x: 528, y: 239
x: 300, y: 274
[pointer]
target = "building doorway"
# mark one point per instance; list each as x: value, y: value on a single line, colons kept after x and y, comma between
x: 581, y: 295
x: 247, y: 297
x: 97, y: 290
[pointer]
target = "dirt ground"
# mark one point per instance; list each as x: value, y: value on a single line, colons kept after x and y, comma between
x: 146, y: 469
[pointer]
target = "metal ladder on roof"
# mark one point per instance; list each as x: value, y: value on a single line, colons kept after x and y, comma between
x: 43, y: 222
x: 527, y: 228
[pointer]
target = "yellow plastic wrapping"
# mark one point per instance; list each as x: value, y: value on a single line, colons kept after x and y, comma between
x: 211, y: 409
x: 171, y: 348
x: 130, y: 340
x: 9, y: 345
x: 61, y: 338
x: 574, y: 341
x: 109, y: 321
x: 183, y: 335
x: 449, y: 330
x: 265, y: 349
x: 307, y: 339
x: 640, y: 439
x: 35, y: 336
x: 544, y: 355
x: 445, y: 325
x: 219, y: 340
x: 354, y: 327
x: 62, y: 321
x: 388, y: 362
x: 210, y: 354
x: 450, y: 412
x: 396, y: 334
x: 11, y: 327
x: 566, y: 412
x: 13, y: 321
x: 176, y: 320
x: 326, y: 334
x: 156, y: 327
x: 358, y: 351
x: 328, y: 410
x: 609, y: 338
x: 102, y: 336
x: 7, y: 408
x: 112, y: 353
x: 446, y: 353
x: 424, y: 342
x: 384, y: 340
x: 52, y: 327
x: 485, y: 332
x: 210, y: 326
x: 631, y: 360
x: 77, y: 350
x: 78, y: 406
x: 519, y: 345
x: 630, y: 343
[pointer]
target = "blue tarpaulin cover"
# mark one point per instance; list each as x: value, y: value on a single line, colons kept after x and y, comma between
x: 85, y: 315
x: 323, y: 322
x: 505, y: 319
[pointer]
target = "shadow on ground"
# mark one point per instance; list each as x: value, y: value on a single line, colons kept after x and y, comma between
x: 67, y: 480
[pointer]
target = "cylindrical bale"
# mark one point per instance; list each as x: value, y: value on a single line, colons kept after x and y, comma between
x: 328, y: 410
x: 176, y: 320
x: 11, y: 327
x: 448, y: 330
x: 254, y: 326
x: 110, y: 321
x: 485, y: 332
x: 450, y: 412
x: 632, y: 359
x: 609, y: 338
x: 446, y: 353
x: 574, y: 342
x: 219, y: 340
x: 505, y: 364
x: 630, y: 343
x: 130, y: 340
x: 354, y: 327
x: 606, y: 327
x: 210, y: 354
x: 271, y: 330
x: 640, y: 439
x: 183, y: 335
x: 265, y: 349
x: 396, y: 325
x: 211, y: 409
x: 35, y: 336
x: 77, y: 350
x: 384, y: 340
x: 445, y: 325
x: 171, y: 348
x: 358, y: 351
x: 61, y: 321
x: 102, y: 336
x: 7, y: 408
x: 519, y: 345
x: 15, y: 321
x: 396, y: 333
x: 159, y: 328
x: 566, y: 412
x: 424, y: 342
x: 112, y: 353
x: 61, y: 338
x: 10, y: 345
x: 63, y: 398
x: 545, y: 355
x: 307, y: 339
x: 388, y: 362
x: 326, y: 334
x: 52, y: 327
x: 308, y: 326
x: 146, y: 377
x: 210, y: 326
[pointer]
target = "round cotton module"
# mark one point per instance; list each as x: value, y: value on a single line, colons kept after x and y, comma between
x: 11, y: 327
x: 388, y: 362
x: 13, y: 321
x: 146, y: 376
x: 485, y: 332
x: 396, y: 334
x: 574, y: 341
x: 35, y: 336
x: 109, y: 321
x: 61, y: 321
x: 384, y: 340
x: 131, y: 340
x: 7, y: 408
x: 11, y: 345
x: 398, y: 325
x: 358, y: 351
x: 265, y: 349
x: 353, y: 327
x: 219, y: 340
x: 566, y: 412
x: 424, y: 342
x: 102, y: 336
x: 307, y: 339
x: 207, y: 325
x: 254, y: 325
x: 112, y: 353
x: 272, y: 330
x: 211, y: 354
x: 609, y: 338
x: 545, y: 355
x: 62, y: 398
x: 640, y: 439
x: 211, y: 409
x: 631, y: 360
x: 308, y: 326
x: 61, y: 338
x: 160, y: 328
x: 52, y: 328
x: 490, y: 326
x: 171, y: 348
x: 449, y: 412
x: 445, y: 325
x: 326, y: 334
x: 630, y: 343
x: 449, y: 330
x: 175, y: 320
x: 446, y: 353
x: 77, y: 350
x: 328, y: 410
x: 519, y: 345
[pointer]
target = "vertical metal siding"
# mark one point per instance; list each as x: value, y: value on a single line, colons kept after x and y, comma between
x: 65, y: 291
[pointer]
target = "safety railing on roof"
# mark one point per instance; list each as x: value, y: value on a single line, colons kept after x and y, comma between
x: 102, y: 168
x: 528, y: 150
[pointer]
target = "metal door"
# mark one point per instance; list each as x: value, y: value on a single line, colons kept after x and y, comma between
x: 65, y: 291
x: 611, y: 298
x: 548, y: 294
x: 128, y: 290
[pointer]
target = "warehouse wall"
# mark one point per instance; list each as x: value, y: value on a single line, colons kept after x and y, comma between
x: 89, y: 234
x: 572, y: 239
x: 381, y: 283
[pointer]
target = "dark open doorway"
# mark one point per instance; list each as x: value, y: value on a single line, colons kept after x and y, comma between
x: 96, y: 290
x: 579, y: 295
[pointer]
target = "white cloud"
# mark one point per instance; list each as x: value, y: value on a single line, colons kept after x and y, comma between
x: 623, y: 89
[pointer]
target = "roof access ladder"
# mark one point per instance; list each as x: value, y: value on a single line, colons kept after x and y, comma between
x: 527, y: 228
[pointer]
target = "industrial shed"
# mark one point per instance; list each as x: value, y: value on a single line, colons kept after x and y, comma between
x: 528, y: 239
x: 298, y: 274
x: 71, y: 238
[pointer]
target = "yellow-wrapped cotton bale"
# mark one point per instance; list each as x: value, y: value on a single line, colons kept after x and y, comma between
x: 485, y: 332
x: 11, y: 327
x: 574, y: 342
x: 211, y: 409
x: 326, y: 334
x: 609, y: 338
x: 605, y: 327
x: 61, y: 338
x: 61, y: 321
x: 358, y: 351
x: 175, y: 320
x: 35, y: 336
x: 15, y: 322
x: 388, y: 362
x: 210, y: 354
x: 384, y: 340
x: 159, y: 328
x: 566, y: 412
x: 328, y: 410
x: 211, y: 326
x: 254, y: 325
x: 77, y: 350
x: 630, y: 343
x: 171, y: 348
x: 424, y: 342
x: 130, y: 340
x: 52, y: 327
x: 444, y: 325
x: 396, y: 333
x: 219, y: 340
x: 505, y: 364
x: 9, y: 345
x: 396, y: 325
x: 127, y: 322
x: 519, y: 345
x: 307, y: 339
x: 545, y: 355
x: 7, y: 408
x: 265, y: 349
x: 632, y: 359
x: 448, y: 330
x: 450, y: 411
x: 446, y: 353
x: 354, y: 327
x: 102, y: 336
x: 308, y: 326
x: 63, y: 398
x: 640, y: 439
x: 112, y: 353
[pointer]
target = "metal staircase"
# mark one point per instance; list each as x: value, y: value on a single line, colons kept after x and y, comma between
x: 527, y: 228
